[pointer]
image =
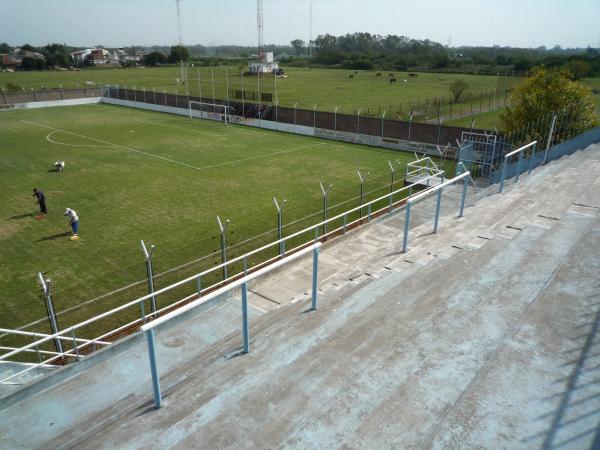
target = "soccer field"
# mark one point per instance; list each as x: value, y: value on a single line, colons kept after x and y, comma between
x: 134, y: 175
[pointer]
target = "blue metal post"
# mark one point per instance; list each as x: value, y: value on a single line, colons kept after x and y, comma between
x: 406, y: 227
x: 503, y: 175
x: 315, y: 278
x: 519, y: 166
x: 150, y: 337
x: 245, y: 329
x: 464, y: 197
x: 437, y: 210
x: 199, y: 285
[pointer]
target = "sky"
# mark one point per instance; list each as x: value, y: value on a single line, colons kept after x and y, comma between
x: 115, y: 23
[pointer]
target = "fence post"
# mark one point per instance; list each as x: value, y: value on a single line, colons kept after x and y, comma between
x: 335, y: 110
x: 358, y: 121
x: 550, y: 137
x: 410, y: 129
x: 280, y: 224
x: 463, y: 197
x: 4, y: 95
x: 503, y: 175
x: 406, y: 227
x: 362, y: 189
x: 325, y: 193
x: 533, y: 150
x: 315, y: 278
x: 437, y: 210
x: 223, y: 228
x: 151, y: 339
x: 245, y: 329
x: 393, y: 171
x: 46, y: 289
x: 150, y: 274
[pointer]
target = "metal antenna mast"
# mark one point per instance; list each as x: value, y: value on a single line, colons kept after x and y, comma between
x: 179, y: 22
x: 259, y: 25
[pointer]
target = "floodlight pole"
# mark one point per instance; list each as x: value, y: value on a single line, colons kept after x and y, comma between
x: 280, y: 224
x: 325, y: 193
x: 410, y: 129
x: 362, y: 188
x: 276, y: 114
x: 315, y: 115
x: 439, y: 131
x: 46, y: 291
x: 212, y: 80
x: 150, y: 274
x: 382, y: 122
x: 227, y: 89
x: 199, y: 84
x: 358, y: 124
x: 223, y: 227
x: 335, y: 110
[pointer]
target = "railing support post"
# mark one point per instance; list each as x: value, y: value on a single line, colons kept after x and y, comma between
x: 315, y: 276
x: 151, y: 338
x: 463, y: 197
x: 519, y: 166
x: 406, y: 227
x: 280, y: 224
x: 437, y: 210
x: 245, y: 328
x: 325, y: 193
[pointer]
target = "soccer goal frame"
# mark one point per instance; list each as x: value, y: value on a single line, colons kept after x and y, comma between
x: 213, y: 111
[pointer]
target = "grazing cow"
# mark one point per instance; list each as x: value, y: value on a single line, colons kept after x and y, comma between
x: 392, y: 80
x: 412, y: 75
x: 378, y: 75
x: 390, y: 75
x: 350, y: 77
x: 355, y: 72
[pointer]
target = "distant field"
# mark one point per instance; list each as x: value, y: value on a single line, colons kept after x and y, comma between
x: 135, y: 175
x: 326, y: 88
x: 486, y: 121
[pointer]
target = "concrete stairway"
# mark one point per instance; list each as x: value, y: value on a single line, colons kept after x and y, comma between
x: 481, y: 335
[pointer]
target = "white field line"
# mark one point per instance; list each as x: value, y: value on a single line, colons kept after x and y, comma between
x: 172, y: 160
x: 71, y: 145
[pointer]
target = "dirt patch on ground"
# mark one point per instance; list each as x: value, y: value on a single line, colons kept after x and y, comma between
x: 10, y: 227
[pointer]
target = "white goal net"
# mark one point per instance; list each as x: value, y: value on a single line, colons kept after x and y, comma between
x: 211, y: 111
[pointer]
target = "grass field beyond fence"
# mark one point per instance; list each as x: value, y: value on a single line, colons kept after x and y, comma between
x: 134, y: 175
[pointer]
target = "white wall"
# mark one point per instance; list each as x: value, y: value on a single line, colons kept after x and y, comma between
x: 53, y: 103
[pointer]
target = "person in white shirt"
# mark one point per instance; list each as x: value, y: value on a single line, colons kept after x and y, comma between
x: 73, y: 220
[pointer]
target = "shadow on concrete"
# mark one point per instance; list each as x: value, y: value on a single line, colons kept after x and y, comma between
x: 577, y: 415
x: 55, y: 236
x: 239, y: 351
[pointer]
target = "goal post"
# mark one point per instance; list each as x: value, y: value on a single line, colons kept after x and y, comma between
x: 211, y: 111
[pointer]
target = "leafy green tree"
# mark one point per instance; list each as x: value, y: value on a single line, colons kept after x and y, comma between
x: 32, y: 63
x: 550, y: 91
x: 5, y: 48
x: 28, y: 48
x: 155, y: 59
x: 299, y: 46
x: 457, y: 88
x: 178, y: 53
x: 578, y: 69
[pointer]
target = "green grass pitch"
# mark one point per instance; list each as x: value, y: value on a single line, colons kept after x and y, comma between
x: 134, y: 175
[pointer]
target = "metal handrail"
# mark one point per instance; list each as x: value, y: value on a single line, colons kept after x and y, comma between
x: 514, y: 152
x: 73, y: 328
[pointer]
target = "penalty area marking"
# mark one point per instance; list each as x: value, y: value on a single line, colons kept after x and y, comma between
x: 49, y: 139
x: 110, y: 144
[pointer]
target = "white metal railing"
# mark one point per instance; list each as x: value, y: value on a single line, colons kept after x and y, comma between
x: 520, y: 152
x: 70, y: 332
x: 150, y: 327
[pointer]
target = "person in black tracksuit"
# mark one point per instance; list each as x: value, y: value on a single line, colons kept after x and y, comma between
x: 41, y: 200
